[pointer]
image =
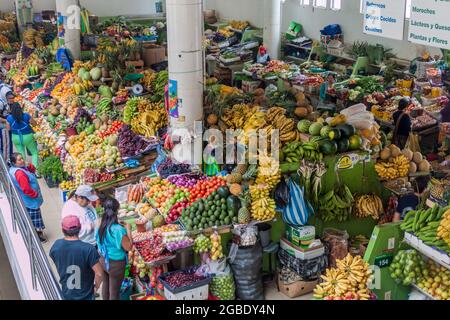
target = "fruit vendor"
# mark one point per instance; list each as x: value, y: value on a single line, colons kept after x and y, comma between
x: 402, y: 123
x: 19, y: 124
x: 262, y: 56
x: 326, y: 90
x: 27, y: 185
x: 6, y: 100
x: 80, y: 205
x: 75, y: 258
x: 410, y: 202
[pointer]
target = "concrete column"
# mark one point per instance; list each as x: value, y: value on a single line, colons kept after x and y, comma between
x: 272, y: 27
x: 24, y: 12
x: 69, y: 26
x: 185, y: 54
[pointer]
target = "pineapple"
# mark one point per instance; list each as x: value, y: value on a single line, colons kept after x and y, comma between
x: 251, y: 172
x: 241, y: 169
x: 244, y: 213
x: 234, y: 178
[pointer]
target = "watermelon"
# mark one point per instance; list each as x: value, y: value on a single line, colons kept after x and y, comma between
x: 315, y: 128
x: 95, y: 73
x: 86, y: 76
x: 347, y: 130
x: 303, y: 126
x: 334, y: 134
x: 355, y: 142
x: 234, y: 204
x: 81, y: 72
x: 328, y: 147
x: 224, y: 192
x: 325, y: 131
x: 343, y: 145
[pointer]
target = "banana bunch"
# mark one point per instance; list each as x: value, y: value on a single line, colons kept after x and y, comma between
x: 396, y: 168
x: 368, y: 205
x: 443, y: 230
x: 149, y: 122
x: 239, y: 25
x: 268, y: 172
x: 255, y: 122
x: 263, y: 209
x: 148, y: 79
x: 276, y: 119
x: 226, y: 32
x: 235, y: 117
x: 32, y: 38
x: 104, y: 106
x: 296, y: 151
x: 336, y: 204
x: 347, y: 281
x: 131, y: 109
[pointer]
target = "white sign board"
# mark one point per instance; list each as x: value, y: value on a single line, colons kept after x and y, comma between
x: 384, y: 18
x: 430, y: 23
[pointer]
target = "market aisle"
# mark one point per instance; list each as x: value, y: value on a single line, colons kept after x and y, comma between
x: 51, y: 213
x: 8, y: 287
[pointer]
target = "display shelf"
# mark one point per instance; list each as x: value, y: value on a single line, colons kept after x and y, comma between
x: 432, y: 202
x: 290, y: 44
x: 295, y: 59
x: 438, y: 256
x: 423, y: 292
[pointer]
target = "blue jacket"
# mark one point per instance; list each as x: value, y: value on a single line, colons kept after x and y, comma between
x: 30, y: 203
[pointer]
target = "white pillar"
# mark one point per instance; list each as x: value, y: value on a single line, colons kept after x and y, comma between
x: 70, y: 28
x: 185, y: 54
x: 272, y: 27
x: 24, y: 12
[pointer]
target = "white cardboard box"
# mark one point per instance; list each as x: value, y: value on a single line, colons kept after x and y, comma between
x: 303, y: 254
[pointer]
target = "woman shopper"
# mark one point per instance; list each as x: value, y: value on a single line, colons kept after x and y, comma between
x: 80, y: 205
x: 6, y: 100
x: 402, y: 123
x: 113, y: 241
x: 25, y: 180
x: 410, y: 202
x: 19, y: 124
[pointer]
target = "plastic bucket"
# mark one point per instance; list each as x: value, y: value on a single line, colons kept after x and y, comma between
x: 264, y: 233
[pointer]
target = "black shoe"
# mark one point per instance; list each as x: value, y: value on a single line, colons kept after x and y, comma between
x: 42, y: 238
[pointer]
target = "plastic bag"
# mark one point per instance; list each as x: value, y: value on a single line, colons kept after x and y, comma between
x: 298, y: 210
x: 222, y: 285
x: 246, y: 235
x: 281, y: 195
x: 162, y: 156
x: 337, y: 244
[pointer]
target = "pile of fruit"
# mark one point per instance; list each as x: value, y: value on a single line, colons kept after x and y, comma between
x: 409, y: 267
x: 369, y: 205
x: 176, y: 240
x: 216, y: 247
x: 443, y: 231
x: 395, y: 163
x: 182, y: 278
x: 223, y: 287
x: 269, y: 175
x: 152, y: 249
x: 202, y: 244
x: 429, y: 226
x: 218, y: 209
x: 348, y: 281
x: 205, y: 187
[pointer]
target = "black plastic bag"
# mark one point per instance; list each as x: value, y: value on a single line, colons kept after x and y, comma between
x: 281, y: 194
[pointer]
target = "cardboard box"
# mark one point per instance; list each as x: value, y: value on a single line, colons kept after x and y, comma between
x: 300, y: 253
x: 250, y: 86
x: 296, y: 289
x: 296, y: 235
x: 152, y: 54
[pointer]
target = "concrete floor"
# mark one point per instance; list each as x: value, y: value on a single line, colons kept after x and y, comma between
x: 8, y: 287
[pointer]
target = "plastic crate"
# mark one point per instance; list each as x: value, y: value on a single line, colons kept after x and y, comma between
x: 195, y: 291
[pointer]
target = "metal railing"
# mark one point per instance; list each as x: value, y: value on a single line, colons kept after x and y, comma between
x: 41, y: 270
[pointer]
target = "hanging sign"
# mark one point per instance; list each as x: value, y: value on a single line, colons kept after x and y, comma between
x: 384, y: 18
x: 173, y: 99
x: 429, y: 23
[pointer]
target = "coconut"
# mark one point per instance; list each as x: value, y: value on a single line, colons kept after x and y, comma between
x: 417, y: 157
x: 385, y: 154
x: 212, y: 119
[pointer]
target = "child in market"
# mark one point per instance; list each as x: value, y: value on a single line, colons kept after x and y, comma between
x: 410, y: 202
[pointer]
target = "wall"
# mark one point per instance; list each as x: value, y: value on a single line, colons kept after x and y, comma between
x: 314, y: 19
x: 98, y: 7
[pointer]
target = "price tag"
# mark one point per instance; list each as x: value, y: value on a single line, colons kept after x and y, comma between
x: 384, y: 260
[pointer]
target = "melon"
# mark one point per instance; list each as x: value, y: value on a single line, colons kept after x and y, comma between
x: 424, y: 166
x: 385, y: 154
x: 355, y: 142
x: 412, y: 167
x: 81, y: 72
x: 315, y: 128
x: 417, y: 157
x: 301, y: 112
x: 324, y: 132
x: 303, y: 126
x: 395, y: 151
x: 96, y: 73
x: 408, y: 154
x: 86, y: 76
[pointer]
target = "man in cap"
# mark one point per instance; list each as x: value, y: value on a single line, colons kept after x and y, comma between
x: 79, y: 269
x: 80, y: 205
